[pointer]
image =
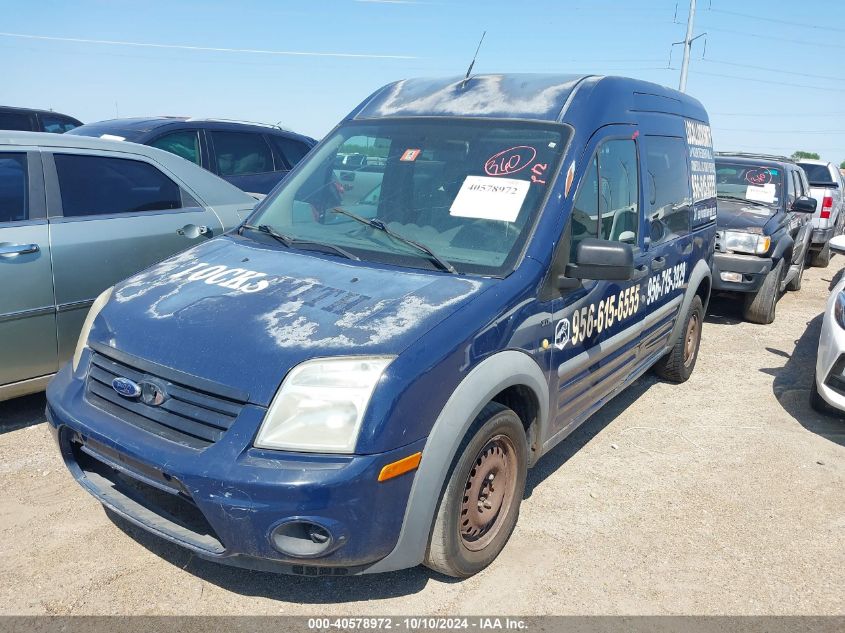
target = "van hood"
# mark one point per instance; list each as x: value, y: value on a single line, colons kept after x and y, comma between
x: 242, y: 313
x: 736, y: 215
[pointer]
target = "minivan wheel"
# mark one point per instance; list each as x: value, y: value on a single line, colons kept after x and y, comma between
x: 821, y: 258
x: 760, y: 307
x: 479, y: 506
x: 678, y: 364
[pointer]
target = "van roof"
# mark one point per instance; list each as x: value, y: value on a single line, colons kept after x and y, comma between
x: 538, y: 97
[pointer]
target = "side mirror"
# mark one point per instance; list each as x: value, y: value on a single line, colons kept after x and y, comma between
x: 599, y: 260
x: 837, y: 244
x: 804, y: 205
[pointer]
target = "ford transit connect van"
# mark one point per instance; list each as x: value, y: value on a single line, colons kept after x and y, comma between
x: 358, y: 378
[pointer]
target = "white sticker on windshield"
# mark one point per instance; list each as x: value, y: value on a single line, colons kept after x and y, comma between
x: 487, y: 198
x: 766, y: 193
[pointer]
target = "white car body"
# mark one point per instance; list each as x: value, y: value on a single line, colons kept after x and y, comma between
x: 832, y: 345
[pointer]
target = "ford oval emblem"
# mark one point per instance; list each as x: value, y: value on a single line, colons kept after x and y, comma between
x: 125, y: 387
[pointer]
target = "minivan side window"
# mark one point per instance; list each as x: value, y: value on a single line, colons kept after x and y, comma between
x: 241, y: 153
x: 13, y: 188
x: 607, y: 205
x: 670, y: 198
x: 99, y: 185
x: 292, y: 151
x: 185, y: 144
x: 57, y: 124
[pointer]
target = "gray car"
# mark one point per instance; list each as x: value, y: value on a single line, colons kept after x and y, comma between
x: 78, y: 214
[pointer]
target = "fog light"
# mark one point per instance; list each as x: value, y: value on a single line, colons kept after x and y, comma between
x: 736, y: 277
x: 302, y: 539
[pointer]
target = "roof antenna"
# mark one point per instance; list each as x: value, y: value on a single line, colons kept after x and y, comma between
x: 472, y: 63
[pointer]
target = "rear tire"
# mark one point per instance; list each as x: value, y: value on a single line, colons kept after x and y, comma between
x: 821, y: 258
x: 479, y: 506
x: 678, y: 364
x: 761, y: 306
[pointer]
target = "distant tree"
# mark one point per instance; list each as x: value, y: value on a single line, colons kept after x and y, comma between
x: 842, y: 165
x: 799, y: 155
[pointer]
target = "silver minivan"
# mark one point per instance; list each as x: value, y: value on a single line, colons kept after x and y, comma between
x: 78, y: 214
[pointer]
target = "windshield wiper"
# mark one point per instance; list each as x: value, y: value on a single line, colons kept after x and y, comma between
x: 754, y: 202
x: 289, y: 241
x: 381, y: 226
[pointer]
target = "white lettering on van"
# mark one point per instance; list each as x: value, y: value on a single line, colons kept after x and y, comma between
x: 224, y: 277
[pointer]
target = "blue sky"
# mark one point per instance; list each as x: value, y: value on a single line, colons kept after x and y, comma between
x: 772, y: 75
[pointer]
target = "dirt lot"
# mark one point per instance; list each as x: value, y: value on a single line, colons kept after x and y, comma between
x: 725, y: 495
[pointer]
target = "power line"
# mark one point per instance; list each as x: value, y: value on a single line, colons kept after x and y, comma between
x: 769, y: 69
x: 780, y: 114
x: 775, y: 38
x: 185, y: 47
x: 777, y: 21
x: 778, y: 131
x: 765, y: 81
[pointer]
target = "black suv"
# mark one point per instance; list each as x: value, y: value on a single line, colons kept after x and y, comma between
x: 764, y: 231
x: 252, y: 156
x: 29, y: 120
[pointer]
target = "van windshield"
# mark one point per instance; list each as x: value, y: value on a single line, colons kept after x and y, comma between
x: 754, y: 183
x: 469, y: 191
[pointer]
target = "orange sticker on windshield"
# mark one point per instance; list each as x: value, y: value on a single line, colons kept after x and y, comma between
x: 410, y: 155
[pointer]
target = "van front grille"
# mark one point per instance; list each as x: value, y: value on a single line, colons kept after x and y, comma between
x: 186, y: 415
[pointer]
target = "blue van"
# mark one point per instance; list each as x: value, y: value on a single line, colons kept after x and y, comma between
x: 358, y: 378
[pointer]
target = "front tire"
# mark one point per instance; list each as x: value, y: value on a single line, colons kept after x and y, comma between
x: 761, y: 306
x: 479, y: 506
x: 678, y: 364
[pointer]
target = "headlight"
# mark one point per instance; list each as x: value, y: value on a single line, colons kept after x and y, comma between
x: 741, y: 242
x: 839, y: 309
x: 95, y: 309
x: 320, y: 405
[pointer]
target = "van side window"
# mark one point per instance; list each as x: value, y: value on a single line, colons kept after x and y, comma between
x: 241, y: 153
x: 13, y: 188
x: 607, y: 205
x: 99, y: 185
x: 585, y: 211
x: 292, y: 151
x: 619, y: 192
x: 185, y: 144
x: 670, y: 200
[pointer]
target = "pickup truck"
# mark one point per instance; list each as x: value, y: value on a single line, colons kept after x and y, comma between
x: 826, y: 187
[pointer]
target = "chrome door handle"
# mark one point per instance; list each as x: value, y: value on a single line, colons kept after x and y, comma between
x: 192, y: 230
x: 10, y: 250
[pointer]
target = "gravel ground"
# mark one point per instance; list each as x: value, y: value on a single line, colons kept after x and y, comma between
x: 720, y: 496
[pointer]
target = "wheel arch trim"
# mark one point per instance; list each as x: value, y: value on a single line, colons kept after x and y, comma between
x: 699, y: 273
x: 505, y: 369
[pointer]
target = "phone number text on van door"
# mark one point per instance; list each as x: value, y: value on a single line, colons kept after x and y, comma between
x: 666, y: 282
x: 595, y: 318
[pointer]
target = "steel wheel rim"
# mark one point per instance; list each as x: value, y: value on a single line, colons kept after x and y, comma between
x: 488, y: 493
x: 691, y: 340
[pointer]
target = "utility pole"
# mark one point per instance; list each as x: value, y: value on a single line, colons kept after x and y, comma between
x: 687, y: 46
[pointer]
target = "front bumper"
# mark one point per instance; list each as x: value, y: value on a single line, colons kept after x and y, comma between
x: 223, y: 502
x: 830, y: 363
x: 753, y: 271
